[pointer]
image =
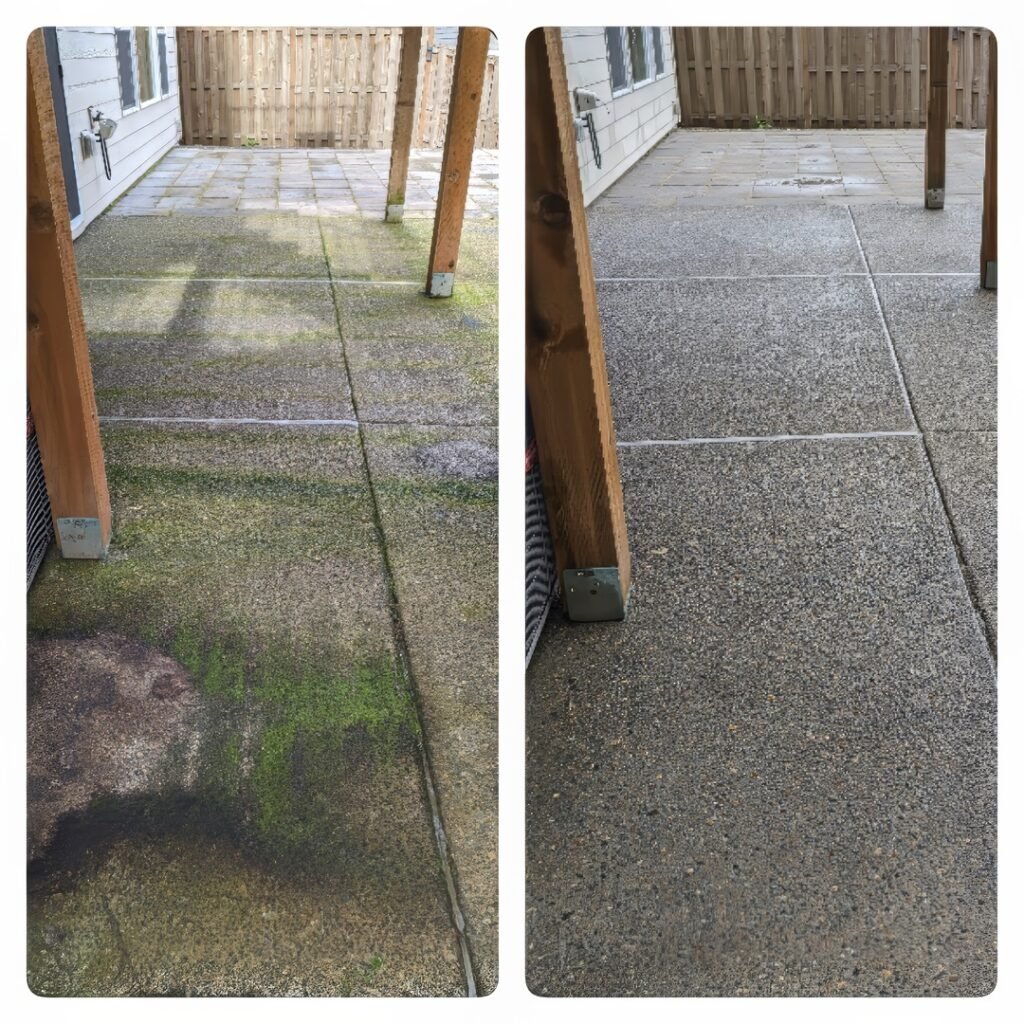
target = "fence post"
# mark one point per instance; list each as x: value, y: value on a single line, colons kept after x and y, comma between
x: 401, y: 136
x: 59, y: 375
x: 566, y: 377
x: 935, y: 131
x: 988, y: 217
x: 459, y: 140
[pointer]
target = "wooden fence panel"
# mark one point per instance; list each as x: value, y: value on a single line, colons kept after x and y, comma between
x: 314, y: 87
x: 825, y: 77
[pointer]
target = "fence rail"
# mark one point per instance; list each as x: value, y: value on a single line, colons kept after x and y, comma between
x: 314, y: 87
x: 825, y: 77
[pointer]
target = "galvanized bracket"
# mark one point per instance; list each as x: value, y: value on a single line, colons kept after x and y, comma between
x: 934, y: 198
x: 80, y: 538
x: 441, y: 285
x: 990, y: 274
x: 593, y: 595
x: 394, y: 213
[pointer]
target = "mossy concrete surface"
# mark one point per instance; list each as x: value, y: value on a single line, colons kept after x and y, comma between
x: 215, y: 349
x: 419, y: 360
x: 239, y: 245
x: 437, y: 493
x: 247, y: 559
x: 228, y: 717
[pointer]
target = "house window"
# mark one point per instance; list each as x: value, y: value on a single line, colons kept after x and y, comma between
x: 125, y: 67
x: 161, y: 46
x: 635, y: 57
x: 616, y: 59
x: 141, y: 57
x: 144, y: 53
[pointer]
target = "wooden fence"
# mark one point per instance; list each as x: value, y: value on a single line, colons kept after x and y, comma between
x: 825, y: 77
x: 314, y: 87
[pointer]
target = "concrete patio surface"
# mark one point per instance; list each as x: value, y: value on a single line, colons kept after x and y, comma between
x: 263, y: 734
x: 777, y: 775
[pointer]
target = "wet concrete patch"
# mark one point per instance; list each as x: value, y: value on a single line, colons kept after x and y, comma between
x: 437, y: 493
x: 777, y: 776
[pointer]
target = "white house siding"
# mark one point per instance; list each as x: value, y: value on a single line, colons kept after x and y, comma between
x: 627, y: 125
x: 88, y: 57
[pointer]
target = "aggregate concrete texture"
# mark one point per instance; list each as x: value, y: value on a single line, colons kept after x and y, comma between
x: 913, y: 240
x: 755, y: 356
x: 777, y: 776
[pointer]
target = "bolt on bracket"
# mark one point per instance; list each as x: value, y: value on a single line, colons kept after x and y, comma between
x: 593, y: 595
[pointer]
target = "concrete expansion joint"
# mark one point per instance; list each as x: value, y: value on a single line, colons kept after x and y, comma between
x: 402, y: 648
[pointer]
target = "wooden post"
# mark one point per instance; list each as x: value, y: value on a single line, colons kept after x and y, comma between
x: 937, y: 116
x: 988, y: 216
x: 566, y: 377
x: 401, y: 137
x: 59, y: 375
x: 459, y: 139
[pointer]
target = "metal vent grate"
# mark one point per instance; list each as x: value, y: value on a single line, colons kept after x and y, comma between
x: 40, y: 523
x: 541, y: 582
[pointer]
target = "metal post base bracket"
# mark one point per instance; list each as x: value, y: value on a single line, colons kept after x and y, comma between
x: 80, y: 538
x: 593, y: 595
x: 441, y: 285
x: 394, y: 213
x: 934, y: 198
x: 990, y: 274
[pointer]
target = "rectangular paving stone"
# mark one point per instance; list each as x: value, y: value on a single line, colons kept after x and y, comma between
x: 227, y: 245
x: 705, y: 358
x: 437, y: 491
x: 944, y: 332
x: 270, y: 836
x: 206, y: 349
x: 921, y: 241
x: 777, y: 775
x: 744, y: 240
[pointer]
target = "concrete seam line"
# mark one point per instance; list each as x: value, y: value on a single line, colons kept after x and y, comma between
x: 400, y: 641
x: 760, y: 438
x: 961, y: 562
x: 732, y: 277
x: 243, y: 421
x: 251, y: 280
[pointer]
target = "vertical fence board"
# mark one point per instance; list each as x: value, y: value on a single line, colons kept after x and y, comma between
x: 315, y: 86
x: 825, y: 77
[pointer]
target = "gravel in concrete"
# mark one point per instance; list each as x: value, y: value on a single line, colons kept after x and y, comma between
x: 777, y: 776
x: 277, y: 840
x: 748, y: 357
x: 909, y: 239
x: 437, y: 491
x: 944, y: 331
x: 203, y: 349
x: 735, y: 241
x: 227, y: 245
x: 965, y: 466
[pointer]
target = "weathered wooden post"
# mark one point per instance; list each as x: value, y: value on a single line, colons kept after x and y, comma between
x: 988, y: 216
x: 401, y: 137
x: 459, y: 139
x: 59, y: 375
x: 566, y: 376
x: 937, y: 116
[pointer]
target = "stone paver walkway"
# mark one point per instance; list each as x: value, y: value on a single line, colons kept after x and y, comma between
x: 309, y: 182
x: 263, y: 734
x: 702, y: 167
x: 777, y: 776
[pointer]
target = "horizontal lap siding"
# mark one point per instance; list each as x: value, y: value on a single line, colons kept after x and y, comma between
x: 627, y: 125
x: 89, y: 62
